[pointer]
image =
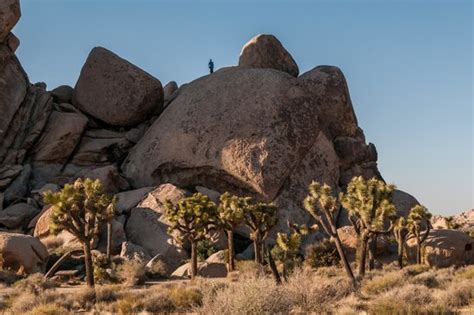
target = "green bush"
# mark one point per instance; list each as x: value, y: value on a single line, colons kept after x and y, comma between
x: 323, y: 254
x: 205, y: 248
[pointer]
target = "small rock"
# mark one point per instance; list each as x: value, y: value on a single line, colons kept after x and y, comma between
x: 62, y: 94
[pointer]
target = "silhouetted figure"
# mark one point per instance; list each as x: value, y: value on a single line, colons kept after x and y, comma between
x: 211, y: 66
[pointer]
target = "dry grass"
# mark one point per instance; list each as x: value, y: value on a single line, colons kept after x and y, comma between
x: 413, y: 290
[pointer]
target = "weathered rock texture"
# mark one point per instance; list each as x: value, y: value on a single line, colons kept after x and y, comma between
x: 23, y: 251
x: 266, y: 51
x: 444, y: 248
x: 255, y: 129
x: 115, y: 91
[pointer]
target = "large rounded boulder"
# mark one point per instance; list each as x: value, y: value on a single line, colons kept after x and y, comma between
x: 23, y: 251
x: 266, y: 51
x: 444, y: 248
x: 115, y: 91
x: 237, y: 129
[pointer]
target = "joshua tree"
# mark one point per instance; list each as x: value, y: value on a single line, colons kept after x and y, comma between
x: 231, y: 213
x: 288, y: 246
x: 193, y: 217
x: 419, y: 215
x: 260, y: 217
x: 400, y: 231
x: 80, y: 208
x: 323, y: 206
x: 369, y: 203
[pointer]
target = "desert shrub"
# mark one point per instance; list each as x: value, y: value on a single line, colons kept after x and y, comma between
x: 429, y: 279
x: 323, y: 254
x: 132, y: 272
x: 184, y: 298
x: 312, y: 293
x: 158, y: 270
x: 34, y: 283
x: 405, y: 299
x: 414, y: 270
x: 48, y: 309
x: 104, y: 269
x: 382, y: 283
x: 329, y: 272
x: 109, y: 293
x: 253, y: 296
x: 457, y: 294
x: 158, y: 302
x: 249, y: 269
x: 205, y: 248
x: 466, y: 273
x: 23, y: 302
x: 128, y: 304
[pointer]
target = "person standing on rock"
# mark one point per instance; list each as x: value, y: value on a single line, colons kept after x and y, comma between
x: 211, y: 66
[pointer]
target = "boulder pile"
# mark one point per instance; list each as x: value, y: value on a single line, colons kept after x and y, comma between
x: 258, y: 128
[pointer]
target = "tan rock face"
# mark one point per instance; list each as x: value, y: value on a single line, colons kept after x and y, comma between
x: 144, y: 228
x: 25, y: 251
x: 328, y: 89
x: 9, y: 15
x: 115, y: 91
x: 60, y: 137
x: 17, y: 215
x: 249, y: 135
x: 444, y: 248
x: 266, y: 51
x: 13, y: 88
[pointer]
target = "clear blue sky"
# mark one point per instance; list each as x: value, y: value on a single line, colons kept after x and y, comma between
x: 408, y: 64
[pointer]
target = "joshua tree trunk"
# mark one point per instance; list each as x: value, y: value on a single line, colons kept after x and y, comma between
x: 418, y: 252
x: 230, y: 248
x: 88, y: 263
x: 109, y: 239
x: 362, y: 254
x: 193, y: 260
x: 273, y: 267
x: 257, y: 245
x: 400, y: 254
x: 372, y: 252
x: 343, y: 256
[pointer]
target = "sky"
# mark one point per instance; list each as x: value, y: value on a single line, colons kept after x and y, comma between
x: 409, y: 65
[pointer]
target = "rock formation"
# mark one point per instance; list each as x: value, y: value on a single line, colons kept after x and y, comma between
x: 257, y: 129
